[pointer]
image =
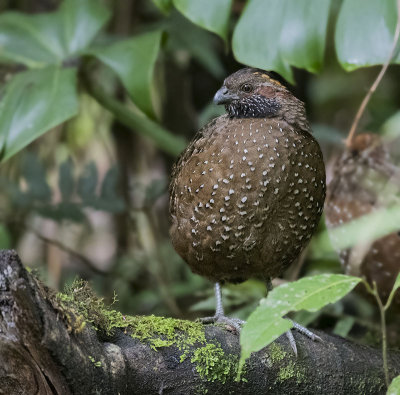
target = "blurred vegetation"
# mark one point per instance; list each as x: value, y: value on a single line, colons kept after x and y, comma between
x: 98, y: 98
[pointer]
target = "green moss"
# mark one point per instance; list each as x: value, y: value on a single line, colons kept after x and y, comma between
x: 212, y: 363
x: 276, y: 352
x: 291, y: 371
x: 97, y: 364
x: 209, y: 359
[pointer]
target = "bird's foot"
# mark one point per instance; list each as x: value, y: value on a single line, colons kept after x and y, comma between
x: 302, y: 330
x: 234, y: 323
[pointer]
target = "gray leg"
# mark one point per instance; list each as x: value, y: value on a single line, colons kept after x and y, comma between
x: 219, y: 317
x: 219, y: 311
x: 302, y: 330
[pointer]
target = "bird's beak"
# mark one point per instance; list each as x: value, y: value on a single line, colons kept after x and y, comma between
x: 223, y: 96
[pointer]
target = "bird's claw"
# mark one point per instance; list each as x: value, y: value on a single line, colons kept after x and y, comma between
x: 234, y: 323
x: 303, y: 331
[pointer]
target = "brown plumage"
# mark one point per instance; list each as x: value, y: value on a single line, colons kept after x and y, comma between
x: 364, y: 180
x: 248, y: 192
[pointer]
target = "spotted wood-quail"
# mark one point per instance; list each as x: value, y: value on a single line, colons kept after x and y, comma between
x: 247, y: 193
x: 365, y: 179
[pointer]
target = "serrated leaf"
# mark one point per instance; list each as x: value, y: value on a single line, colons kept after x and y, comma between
x: 43, y: 39
x: 365, y: 38
x: 394, y: 387
x: 133, y: 61
x: 156, y: 189
x: 266, y: 323
x: 35, y: 176
x: 209, y: 14
x: 63, y: 211
x: 110, y: 183
x: 34, y: 102
x: 66, y: 180
x: 277, y: 34
x: 87, y: 183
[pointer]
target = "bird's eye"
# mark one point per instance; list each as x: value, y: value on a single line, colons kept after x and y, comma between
x: 246, y: 88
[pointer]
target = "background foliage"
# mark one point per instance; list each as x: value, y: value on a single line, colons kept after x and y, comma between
x: 98, y: 98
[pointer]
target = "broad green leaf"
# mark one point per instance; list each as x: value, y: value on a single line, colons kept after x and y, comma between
x: 277, y: 34
x: 209, y: 14
x: 43, y: 39
x: 66, y: 180
x: 266, y: 323
x: 133, y: 61
x: 34, y: 102
x: 394, y: 387
x: 364, y: 33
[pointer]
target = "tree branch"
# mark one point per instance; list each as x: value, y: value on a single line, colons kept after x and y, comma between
x: 41, y: 353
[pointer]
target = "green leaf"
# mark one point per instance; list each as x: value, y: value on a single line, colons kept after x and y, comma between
x: 396, y: 286
x: 87, y: 183
x: 66, y: 180
x: 365, y: 38
x: 343, y: 326
x: 133, y: 61
x: 394, y: 387
x: 63, y: 211
x: 163, y: 5
x: 5, y: 238
x: 109, y: 199
x: 209, y: 14
x: 35, y: 177
x: 184, y: 35
x: 43, y: 39
x: 277, y: 34
x: 266, y: 323
x: 34, y: 102
x: 365, y: 229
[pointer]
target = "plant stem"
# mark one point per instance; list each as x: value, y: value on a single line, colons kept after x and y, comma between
x: 139, y: 123
x: 382, y: 312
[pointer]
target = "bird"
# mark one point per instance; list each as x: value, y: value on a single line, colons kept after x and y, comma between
x: 365, y: 179
x: 247, y: 193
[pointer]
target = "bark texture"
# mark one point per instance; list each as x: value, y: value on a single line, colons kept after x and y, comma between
x: 39, y: 354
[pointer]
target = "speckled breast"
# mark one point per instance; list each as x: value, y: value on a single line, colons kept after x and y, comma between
x: 246, y: 198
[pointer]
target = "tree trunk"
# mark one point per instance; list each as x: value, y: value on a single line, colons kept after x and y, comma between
x: 41, y: 354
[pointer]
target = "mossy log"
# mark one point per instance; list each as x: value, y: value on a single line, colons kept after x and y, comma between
x: 44, y: 351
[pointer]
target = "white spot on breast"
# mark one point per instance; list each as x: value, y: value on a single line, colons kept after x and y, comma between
x: 244, y: 199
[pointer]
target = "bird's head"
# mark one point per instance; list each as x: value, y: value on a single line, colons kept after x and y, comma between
x: 255, y: 93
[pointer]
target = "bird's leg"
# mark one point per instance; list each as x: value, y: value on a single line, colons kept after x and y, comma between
x: 296, y: 326
x: 220, y: 317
